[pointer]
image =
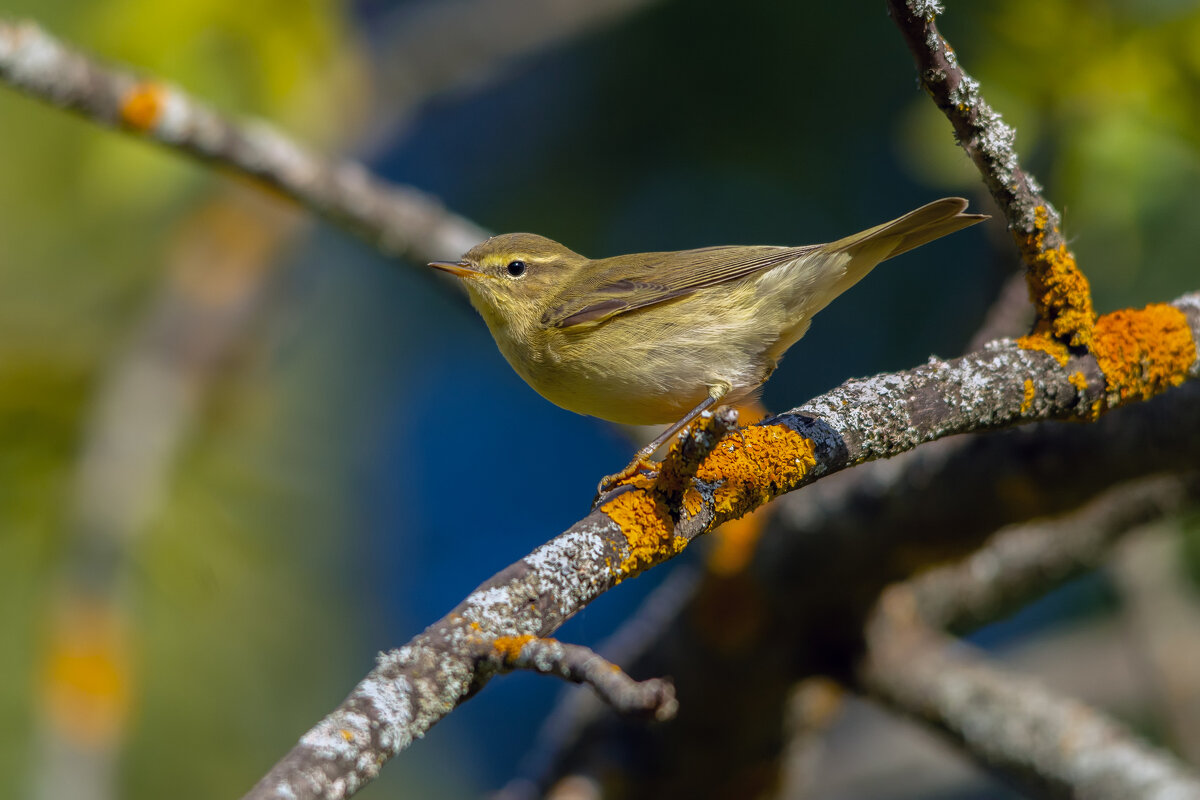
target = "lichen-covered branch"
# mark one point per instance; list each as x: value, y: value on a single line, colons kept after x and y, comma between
x: 400, y: 220
x: 1058, y: 288
x: 654, y: 698
x: 831, y: 549
x: 414, y: 686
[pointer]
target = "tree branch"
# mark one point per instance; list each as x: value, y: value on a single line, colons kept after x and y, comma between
x: 1057, y: 287
x: 413, y: 687
x: 654, y: 698
x: 399, y: 220
x: 1060, y: 747
x: 1021, y: 564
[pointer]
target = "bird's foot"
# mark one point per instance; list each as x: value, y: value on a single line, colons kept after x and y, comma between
x: 632, y: 470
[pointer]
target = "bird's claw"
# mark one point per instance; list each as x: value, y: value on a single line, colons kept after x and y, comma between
x: 610, y: 482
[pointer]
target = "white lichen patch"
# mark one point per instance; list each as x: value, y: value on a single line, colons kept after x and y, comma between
x: 30, y: 58
x: 174, y: 120
x: 339, y: 736
x: 925, y: 9
x: 571, y: 566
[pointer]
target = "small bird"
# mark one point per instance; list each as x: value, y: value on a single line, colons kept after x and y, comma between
x: 660, y: 337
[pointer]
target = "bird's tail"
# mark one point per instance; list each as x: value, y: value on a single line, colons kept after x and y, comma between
x: 868, y: 248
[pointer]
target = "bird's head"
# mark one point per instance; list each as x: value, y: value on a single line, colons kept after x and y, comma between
x: 513, y: 277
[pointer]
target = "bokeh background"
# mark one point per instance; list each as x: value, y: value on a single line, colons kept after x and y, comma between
x: 240, y: 452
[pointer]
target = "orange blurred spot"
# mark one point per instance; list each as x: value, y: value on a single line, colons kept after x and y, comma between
x: 86, y: 676
x: 142, y: 106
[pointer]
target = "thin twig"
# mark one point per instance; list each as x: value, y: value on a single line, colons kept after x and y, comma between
x: 399, y: 220
x: 654, y: 698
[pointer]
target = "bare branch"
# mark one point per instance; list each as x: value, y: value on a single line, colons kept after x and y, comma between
x: 399, y: 220
x: 654, y: 698
x: 441, y: 45
x: 1020, y: 564
x: 1061, y: 747
x: 1013, y: 725
x: 1161, y: 614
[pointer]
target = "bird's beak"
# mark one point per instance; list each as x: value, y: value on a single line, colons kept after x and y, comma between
x: 461, y: 269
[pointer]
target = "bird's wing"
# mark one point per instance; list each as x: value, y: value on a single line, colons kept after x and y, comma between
x: 658, y: 277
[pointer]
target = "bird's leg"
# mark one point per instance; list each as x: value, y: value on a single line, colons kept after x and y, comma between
x: 642, y: 457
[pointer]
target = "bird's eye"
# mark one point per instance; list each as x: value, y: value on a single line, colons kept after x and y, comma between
x: 516, y: 268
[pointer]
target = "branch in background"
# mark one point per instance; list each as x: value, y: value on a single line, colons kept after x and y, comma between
x: 413, y: 687
x: 144, y: 410
x: 1013, y: 725
x: 1162, y: 620
x: 1058, y: 747
x: 441, y: 45
x: 814, y: 705
x: 399, y: 220
x: 1057, y: 287
x: 1009, y: 315
x: 1019, y: 565
x: 654, y: 698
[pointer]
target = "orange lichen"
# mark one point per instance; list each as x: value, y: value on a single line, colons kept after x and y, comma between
x: 649, y: 531
x: 754, y: 464
x: 86, y: 683
x: 142, y: 106
x: 1027, y: 402
x: 1045, y: 344
x: 1079, y: 381
x: 509, y: 647
x: 734, y: 542
x: 1143, y: 352
x: 749, y: 466
x: 1059, y: 291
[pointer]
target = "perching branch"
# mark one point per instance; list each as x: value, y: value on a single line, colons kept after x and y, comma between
x: 830, y: 550
x: 413, y: 687
x: 399, y: 220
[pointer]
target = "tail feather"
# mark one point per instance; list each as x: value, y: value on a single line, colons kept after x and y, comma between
x: 920, y: 226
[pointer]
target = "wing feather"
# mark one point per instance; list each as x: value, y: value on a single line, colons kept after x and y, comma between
x: 620, y: 285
